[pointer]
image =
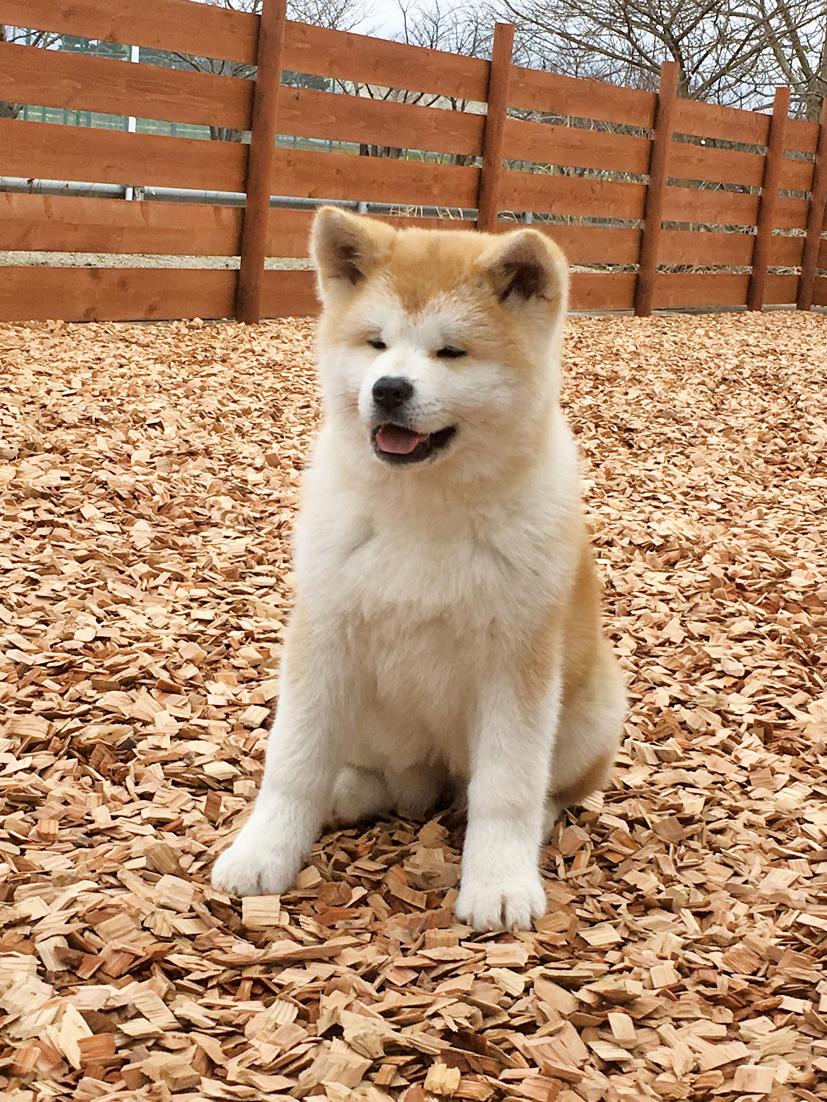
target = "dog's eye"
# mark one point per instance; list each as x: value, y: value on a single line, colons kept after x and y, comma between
x: 450, y: 352
x: 377, y: 343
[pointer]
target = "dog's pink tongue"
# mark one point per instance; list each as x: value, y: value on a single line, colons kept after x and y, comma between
x: 398, y: 441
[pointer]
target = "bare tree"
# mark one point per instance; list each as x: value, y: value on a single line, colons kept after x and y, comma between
x: 795, y: 34
x: 343, y: 15
x: 729, y: 51
x: 461, y: 28
x: 625, y: 41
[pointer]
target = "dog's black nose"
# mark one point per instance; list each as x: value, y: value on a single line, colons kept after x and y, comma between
x: 392, y: 391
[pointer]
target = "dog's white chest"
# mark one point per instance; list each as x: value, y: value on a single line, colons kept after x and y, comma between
x: 427, y: 577
x: 414, y: 622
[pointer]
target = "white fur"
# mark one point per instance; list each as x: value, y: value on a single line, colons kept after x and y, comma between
x: 419, y: 590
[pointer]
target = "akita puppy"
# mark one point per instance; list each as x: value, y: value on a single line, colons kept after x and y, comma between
x: 447, y: 617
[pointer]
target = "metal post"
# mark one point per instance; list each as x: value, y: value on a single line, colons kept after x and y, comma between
x: 132, y: 122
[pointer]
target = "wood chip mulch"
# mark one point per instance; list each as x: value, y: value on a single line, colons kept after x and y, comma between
x: 149, y: 476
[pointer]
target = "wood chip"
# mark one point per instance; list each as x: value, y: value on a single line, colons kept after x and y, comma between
x: 753, y: 1079
x: 149, y: 476
x: 623, y: 1028
x: 442, y: 1080
x: 261, y: 911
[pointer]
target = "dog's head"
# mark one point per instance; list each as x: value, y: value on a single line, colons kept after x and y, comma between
x: 437, y: 343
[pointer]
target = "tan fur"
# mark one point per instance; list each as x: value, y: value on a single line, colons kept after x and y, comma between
x: 594, y: 777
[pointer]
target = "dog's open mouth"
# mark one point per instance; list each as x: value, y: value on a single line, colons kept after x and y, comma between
x: 398, y: 445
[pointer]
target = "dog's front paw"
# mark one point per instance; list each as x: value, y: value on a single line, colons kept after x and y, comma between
x: 510, y: 904
x: 247, y: 868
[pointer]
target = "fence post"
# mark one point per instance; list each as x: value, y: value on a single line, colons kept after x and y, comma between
x: 499, y: 79
x: 815, y: 221
x: 773, y: 164
x: 647, y: 268
x: 260, y: 160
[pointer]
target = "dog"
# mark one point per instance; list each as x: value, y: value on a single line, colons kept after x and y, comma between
x: 447, y: 615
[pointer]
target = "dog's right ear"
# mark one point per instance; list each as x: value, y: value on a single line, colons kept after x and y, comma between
x: 526, y: 267
x: 345, y: 249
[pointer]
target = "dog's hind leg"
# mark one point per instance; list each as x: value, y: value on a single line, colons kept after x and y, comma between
x: 359, y: 794
x: 594, y: 778
x: 416, y: 788
x: 364, y: 793
x: 591, y: 723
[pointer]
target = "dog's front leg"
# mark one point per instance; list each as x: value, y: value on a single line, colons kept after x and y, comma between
x: 501, y: 886
x: 296, y: 790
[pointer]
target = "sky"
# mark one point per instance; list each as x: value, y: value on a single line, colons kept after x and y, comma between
x: 384, y: 21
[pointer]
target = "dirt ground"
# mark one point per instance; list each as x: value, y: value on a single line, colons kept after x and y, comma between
x: 149, y: 478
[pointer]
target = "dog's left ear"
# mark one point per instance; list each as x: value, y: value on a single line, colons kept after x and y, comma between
x: 345, y: 249
x: 525, y: 266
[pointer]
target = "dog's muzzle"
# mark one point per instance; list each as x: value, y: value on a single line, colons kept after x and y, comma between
x: 400, y: 446
x: 394, y: 441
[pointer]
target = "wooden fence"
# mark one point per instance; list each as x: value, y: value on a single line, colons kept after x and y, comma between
x: 659, y: 202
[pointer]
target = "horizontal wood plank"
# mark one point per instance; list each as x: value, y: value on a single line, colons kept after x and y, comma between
x: 791, y: 214
x: 570, y: 195
x: 785, y: 251
x: 286, y: 294
x: 802, y: 135
x: 288, y: 232
x: 711, y: 120
x: 53, y: 78
x: 180, y: 26
x: 602, y: 291
x: 543, y: 143
x: 595, y: 244
x: 726, y: 166
x: 700, y: 290
x: 307, y: 113
x: 705, y: 249
x: 58, y: 223
x: 357, y: 57
x: 554, y: 94
x: 780, y: 290
x: 115, y: 294
x: 52, y: 151
x: 796, y: 175
x: 820, y: 291
x: 723, y: 208
x: 335, y: 176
